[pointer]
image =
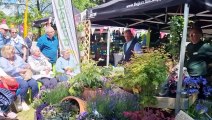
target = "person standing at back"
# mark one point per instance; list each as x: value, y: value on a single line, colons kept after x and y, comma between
x: 198, y: 54
x: 28, y: 39
x: 199, y: 57
x: 131, y: 45
x: 49, y: 44
x: 4, y: 29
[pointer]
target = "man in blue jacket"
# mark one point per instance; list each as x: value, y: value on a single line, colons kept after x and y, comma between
x: 49, y: 45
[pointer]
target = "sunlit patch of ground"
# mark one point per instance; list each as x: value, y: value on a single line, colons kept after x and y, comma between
x: 27, y: 115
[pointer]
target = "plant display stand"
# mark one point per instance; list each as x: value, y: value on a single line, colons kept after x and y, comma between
x: 168, y: 102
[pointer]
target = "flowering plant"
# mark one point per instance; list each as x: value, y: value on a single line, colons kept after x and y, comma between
x: 110, y: 105
x: 149, y: 114
x: 38, y: 111
x: 201, y: 110
x: 87, y: 116
x: 191, y: 85
x: 195, y: 84
x: 64, y: 110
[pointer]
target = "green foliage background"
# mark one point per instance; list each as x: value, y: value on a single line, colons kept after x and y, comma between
x: 176, y: 29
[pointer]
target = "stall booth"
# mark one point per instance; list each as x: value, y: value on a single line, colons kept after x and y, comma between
x: 154, y: 14
x: 99, y: 43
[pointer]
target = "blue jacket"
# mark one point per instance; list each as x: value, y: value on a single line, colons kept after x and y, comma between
x: 2, y: 41
x: 48, y: 47
x: 12, y: 70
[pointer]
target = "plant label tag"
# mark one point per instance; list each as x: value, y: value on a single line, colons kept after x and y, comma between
x: 183, y: 116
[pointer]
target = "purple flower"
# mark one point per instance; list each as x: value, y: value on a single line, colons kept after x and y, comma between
x: 82, y: 116
x: 39, y: 109
x: 192, y: 90
x: 207, y: 91
x: 201, y: 109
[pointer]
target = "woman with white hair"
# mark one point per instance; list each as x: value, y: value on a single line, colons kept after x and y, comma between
x: 16, y: 67
x: 66, y: 65
x: 41, y: 68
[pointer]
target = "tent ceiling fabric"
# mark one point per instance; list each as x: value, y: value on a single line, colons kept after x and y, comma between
x: 149, y: 13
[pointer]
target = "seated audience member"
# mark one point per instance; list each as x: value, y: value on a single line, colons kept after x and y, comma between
x: 66, y: 66
x: 7, y: 83
x: 18, y: 43
x: 16, y: 67
x: 6, y: 99
x: 41, y: 68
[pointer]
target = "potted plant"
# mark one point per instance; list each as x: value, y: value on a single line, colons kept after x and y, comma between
x: 65, y: 110
x: 90, y: 81
x: 144, y: 74
x: 80, y: 28
x: 57, y: 104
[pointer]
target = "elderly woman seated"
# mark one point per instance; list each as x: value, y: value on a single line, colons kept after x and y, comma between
x: 7, y: 83
x: 67, y: 66
x: 41, y: 68
x: 15, y: 66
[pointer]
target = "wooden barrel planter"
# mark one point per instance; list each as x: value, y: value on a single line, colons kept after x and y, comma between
x: 89, y: 93
x: 81, y: 103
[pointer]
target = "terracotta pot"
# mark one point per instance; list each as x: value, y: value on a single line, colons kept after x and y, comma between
x: 129, y: 90
x: 82, y: 104
x: 89, y: 93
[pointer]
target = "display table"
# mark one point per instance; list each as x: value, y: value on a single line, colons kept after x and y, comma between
x: 168, y: 102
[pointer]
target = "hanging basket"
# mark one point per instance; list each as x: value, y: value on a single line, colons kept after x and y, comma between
x: 82, y: 104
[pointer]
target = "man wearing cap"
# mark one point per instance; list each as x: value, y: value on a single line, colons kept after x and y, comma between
x: 4, y: 29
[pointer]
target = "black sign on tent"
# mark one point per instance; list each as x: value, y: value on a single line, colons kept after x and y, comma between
x: 149, y: 13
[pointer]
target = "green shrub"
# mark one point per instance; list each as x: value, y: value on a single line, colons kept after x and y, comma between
x: 144, y: 74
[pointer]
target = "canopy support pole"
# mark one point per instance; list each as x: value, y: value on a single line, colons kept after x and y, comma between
x: 182, y: 57
x: 108, y: 46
